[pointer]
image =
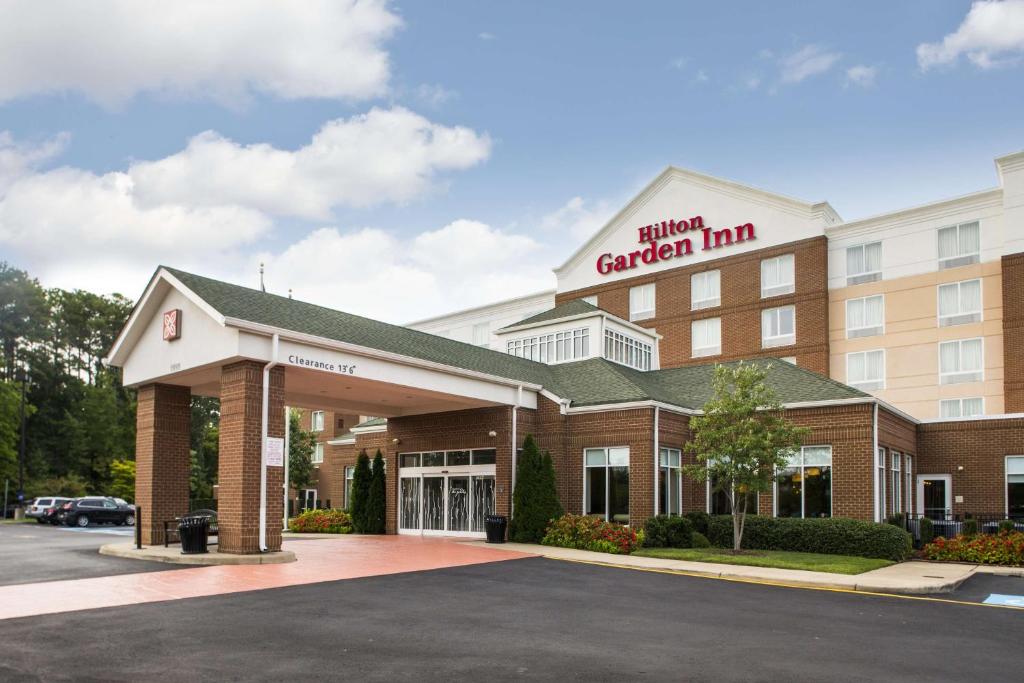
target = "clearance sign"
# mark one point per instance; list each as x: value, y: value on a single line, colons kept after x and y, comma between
x: 665, y: 241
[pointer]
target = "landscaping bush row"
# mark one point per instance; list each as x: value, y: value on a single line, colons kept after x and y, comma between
x: 585, y: 532
x: 665, y: 531
x: 321, y: 522
x: 1005, y: 548
x: 831, y: 536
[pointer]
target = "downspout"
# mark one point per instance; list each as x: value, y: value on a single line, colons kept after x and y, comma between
x: 657, y: 454
x: 276, y: 340
x: 515, y: 447
x: 874, y: 460
x: 287, y: 442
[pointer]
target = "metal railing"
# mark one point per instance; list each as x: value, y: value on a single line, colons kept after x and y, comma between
x: 949, y: 525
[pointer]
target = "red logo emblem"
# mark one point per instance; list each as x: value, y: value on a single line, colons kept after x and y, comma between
x: 172, y: 324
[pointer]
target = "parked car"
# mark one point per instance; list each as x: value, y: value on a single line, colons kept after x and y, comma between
x: 96, y: 510
x: 37, y: 508
x: 55, y: 513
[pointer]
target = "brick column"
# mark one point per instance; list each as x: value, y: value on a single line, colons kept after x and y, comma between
x: 241, y: 415
x: 161, y: 457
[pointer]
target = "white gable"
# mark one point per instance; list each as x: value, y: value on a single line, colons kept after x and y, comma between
x: 678, y: 195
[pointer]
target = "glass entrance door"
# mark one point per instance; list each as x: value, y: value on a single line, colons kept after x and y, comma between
x: 934, y: 496
x: 445, y: 504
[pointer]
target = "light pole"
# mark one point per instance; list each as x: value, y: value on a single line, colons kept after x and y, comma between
x: 23, y: 371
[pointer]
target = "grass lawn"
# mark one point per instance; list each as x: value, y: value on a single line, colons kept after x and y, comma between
x: 780, y: 559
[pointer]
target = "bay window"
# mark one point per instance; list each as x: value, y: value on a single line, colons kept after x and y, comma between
x: 606, y: 483
x: 866, y: 369
x: 959, y: 245
x: 706, y: 337
x: 670, y: 482
x: 705, y: 289
x: 864, y: 263
x: 865, y: 317
x: 960, y: 303
x: 804, y: 487
x: 626, y: 350
x: 960, y: 361
x: 778, y: 327
x: 777, y: 276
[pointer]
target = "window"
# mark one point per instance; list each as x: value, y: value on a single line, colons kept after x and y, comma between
x: 670, y: 482
x: 316, y: 421
x: 606, y: 483
x: 959, y: 245
x: 865, y: 317
x: 804, y: 487
x: 866, y: 369
x: 719, y: 503
x: 789, y: 359
x: 1015, y: 486
x: 623, y: 349
x: 864, y: 263
x: 706, y: 337
x: 908, y: 479
x: 777, y: 276
x: 460, y: 458
x: 960, y: 303
x: 555, y: 347
x: 895, y: 460
x: 961, y: 361
x: 592, y: 299
x: 778, y: 327
x: 318, y: 454
x: 350, y: 473
x: 482, y: 334
x: 881, y: 484
x: 705, y: 289
x: 641, y: 302
x: 961, y: 407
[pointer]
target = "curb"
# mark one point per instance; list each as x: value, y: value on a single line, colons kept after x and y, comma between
x: 207, y: 560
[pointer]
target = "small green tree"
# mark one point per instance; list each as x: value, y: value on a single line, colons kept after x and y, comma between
x: 742, y: 438
x: 301, y: 445
x: 360, y: 493
x: 535, y: 499
x: 122, y: 479
x: 375, y: 499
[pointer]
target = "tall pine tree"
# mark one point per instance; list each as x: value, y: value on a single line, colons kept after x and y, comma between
x: 375, y: 502
x: 360, y: 493
x: 535, y: 499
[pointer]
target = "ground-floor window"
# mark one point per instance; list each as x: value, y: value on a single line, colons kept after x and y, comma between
x: 606, y: 483
x: 670, y: 482
x: 908, y: 478
x: 895, y: 460
x: 1015, y: 486
x: 804, y: 487
x: 881, y: 484
x: 720, y: 504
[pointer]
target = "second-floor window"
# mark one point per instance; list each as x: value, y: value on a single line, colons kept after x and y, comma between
x: 961, y: 360
x: 960, y: 303
x: 961, y: 407
x: 865, y: 317
x: 317, y: 421
x: 706, y: 337
x: 641, y: 302
x: 626, y: 350
x: 777, y: 276
x: 554, y: 347
x: 705, y: 289
x: 959, y: 245
x: 482, y: 334
x: 318, y: 454
x: 778, y: 327
x: 864, y: 263
x: 866, y: 369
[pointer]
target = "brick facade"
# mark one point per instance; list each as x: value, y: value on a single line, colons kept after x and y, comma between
x: 162, y: 462
x: 1013, y: 332
x: 241, y: 415
x: 741, y: 306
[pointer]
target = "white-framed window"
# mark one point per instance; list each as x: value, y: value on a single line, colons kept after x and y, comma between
x: 606, y: 483
x: 961, y: 360
x: 880, y: 463
x: 895, y: 460
x: 865, y: 317
x: 959, y: 303
x: 554, y: 347
x: 865, y: 370
x: 1015, y: 487
x: 778, y: 326
x: 318, y: 454
x: 864, y: 263
x: 626, y: 350
x: 706, y: 337
x: 959, y: 245
x: 592, y: 299
x: 705, y: 289
x: 789, y: 359
x: 962, y: 407
x: 670, y: 482
x: 908, y: 480
x: 778, y: 276
x: 641, y: 302
x: 804, y: 487
x: 316, y: 421
x: 482, y: 334
x: 350, y: 475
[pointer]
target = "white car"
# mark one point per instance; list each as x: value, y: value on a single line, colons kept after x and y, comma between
x: 37, y: 508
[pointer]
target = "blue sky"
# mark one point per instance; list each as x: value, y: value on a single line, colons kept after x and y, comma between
x: 527, y: 124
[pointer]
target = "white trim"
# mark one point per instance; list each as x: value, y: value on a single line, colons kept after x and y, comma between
x: 629, y: 405
x: 874, y: 443
x: 919, y: 490
x: 372, y: 429
x: 1006, y: 483
x: 931, y: 211
x: 999, y: 416
x: 341, y: 441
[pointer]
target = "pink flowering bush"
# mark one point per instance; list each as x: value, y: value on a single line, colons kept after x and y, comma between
x: 1005, y: 548
x: 585, y: 532
x: 321, y: 522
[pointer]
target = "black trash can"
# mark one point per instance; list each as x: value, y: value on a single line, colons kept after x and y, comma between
x: 495, y: 525
x: 193, y: 532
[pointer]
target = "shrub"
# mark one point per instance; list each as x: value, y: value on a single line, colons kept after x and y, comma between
x: 699, y: 540
x: 321, y: 522
x: 585, y: 532
x: 970, y: 527
x: 375, y: 498
x: 1005, y: 548
x: 665, y: 531
x: 926, y: 531
x: 535, y: 499
x: 360, y: 492
x: 1007, y: 525
x: 896, y: 520
x: 699, y: 519
x: 830, y: 536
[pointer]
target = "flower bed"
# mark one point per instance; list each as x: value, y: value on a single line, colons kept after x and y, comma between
x: 591, y: 533
x: 321, y: 522
x: 1005, y: 548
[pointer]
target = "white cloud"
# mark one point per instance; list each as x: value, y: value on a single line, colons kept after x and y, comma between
x: 19, y: 159
x: 811, y: 60
x: 701, y: 77
x: 111, y: 50
x: 484, y: 35
x: 434, y: 95
x: 992, y: 34
x: 578, y: 218
x: 382, y: 156
x: 861, y: 75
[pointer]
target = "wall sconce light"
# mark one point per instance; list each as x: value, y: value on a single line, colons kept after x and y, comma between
x: 396, y: 441
x: 492, y: 433
x: 959, y: 468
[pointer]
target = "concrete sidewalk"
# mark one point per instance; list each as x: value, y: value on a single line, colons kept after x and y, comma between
x: 906, y: 578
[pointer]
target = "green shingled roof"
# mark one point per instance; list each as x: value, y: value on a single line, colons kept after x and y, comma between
x: 566, y: 310
x: 595, y: 381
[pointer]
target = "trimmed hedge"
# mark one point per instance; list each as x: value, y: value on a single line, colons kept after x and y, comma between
x: 830, y: 536
x: 699, y: 519
x: 665, y: 531
x: 699, y: 540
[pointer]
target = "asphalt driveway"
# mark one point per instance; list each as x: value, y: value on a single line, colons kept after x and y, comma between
x: 531, y: 618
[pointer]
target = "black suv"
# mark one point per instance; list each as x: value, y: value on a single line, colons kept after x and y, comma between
x: 96, y: 510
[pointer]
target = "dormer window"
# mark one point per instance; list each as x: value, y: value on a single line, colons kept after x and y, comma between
x: 620, y: 348
x: 553, y: 347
